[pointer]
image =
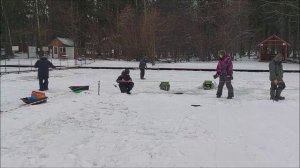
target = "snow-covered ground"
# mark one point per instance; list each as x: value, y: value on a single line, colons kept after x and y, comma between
x: 151, y: 127
x: 203, y: 65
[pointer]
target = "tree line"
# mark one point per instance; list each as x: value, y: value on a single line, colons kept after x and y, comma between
x: 130, y: 29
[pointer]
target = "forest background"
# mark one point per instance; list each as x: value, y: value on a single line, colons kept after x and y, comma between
x: 131, y: 29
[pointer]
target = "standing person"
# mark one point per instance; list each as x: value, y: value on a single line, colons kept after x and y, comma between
x: 224, y: 71
x: 125, y: 82
x: 276, y: 75
x: 143, y: 66
x: 43, y: 65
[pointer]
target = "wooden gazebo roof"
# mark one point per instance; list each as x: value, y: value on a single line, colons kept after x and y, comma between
x: 273, y: 40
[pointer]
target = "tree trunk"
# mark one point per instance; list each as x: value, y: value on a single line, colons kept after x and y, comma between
x: 38, y: 44
x: 8, y: 43
x: 298, y: 33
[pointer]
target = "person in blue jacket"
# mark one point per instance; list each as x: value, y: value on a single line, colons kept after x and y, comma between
x: 142, y: 66
x: 43, y: 65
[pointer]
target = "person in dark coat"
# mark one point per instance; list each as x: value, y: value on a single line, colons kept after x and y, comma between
x: 276, y: 78
x: 224, y: 72
x: 143, y: 66
x: 125, y: 82
x: 43, y: 65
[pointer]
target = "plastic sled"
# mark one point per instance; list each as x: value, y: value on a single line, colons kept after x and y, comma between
x: 79, y: 88
x: 39, y: 101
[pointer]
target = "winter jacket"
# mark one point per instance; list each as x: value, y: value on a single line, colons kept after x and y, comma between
x: 124, y: 77
x: 224, y: 66
x: 275, y: 67
x: 143, y: 64
x: 43, y: 65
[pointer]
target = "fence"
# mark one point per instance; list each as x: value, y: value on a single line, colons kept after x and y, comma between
x: 18, y: 65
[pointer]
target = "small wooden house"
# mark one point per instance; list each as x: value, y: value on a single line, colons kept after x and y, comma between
x: 271, y: 46
x: 62, y: 48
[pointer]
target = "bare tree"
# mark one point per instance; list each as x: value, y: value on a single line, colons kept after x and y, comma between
x: 8, y: 44
x: 149, y: 30
x: 129, y: 33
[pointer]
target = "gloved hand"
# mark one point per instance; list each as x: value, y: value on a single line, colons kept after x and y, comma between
x: 216, y: 76
x: 229, y: 77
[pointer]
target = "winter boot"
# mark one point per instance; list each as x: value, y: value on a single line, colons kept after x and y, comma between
x: 272, y: 94
x: 280, y: 98
x: 274, y: 98
x: 230, y: 94
x: 278, y: 92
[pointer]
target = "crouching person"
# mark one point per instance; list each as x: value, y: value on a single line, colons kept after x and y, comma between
x: 276, y: 75
x: 125, y: 82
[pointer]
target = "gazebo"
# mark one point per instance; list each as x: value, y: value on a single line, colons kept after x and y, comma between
x: 271, y: 46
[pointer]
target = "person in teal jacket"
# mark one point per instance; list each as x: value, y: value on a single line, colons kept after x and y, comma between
x: 276, y: 78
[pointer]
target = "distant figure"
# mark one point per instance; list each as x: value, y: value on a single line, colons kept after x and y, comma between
x: 125, y: 82
x: 276, y: 75
x: 224, y: 71
x: 43, y: 65
x: 143, y: 66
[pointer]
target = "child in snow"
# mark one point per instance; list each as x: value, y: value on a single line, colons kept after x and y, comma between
x: 125, y: 82
x: 142, y: 66
x: 224, y: 71
x: 43, y: 65
x: 276, y: 75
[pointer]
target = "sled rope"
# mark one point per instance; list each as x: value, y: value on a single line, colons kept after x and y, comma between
x: 16, y: 108
x: 24, y: 105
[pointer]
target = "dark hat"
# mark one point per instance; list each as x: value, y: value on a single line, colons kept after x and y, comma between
x: 43, y: 58
x: 126, y: 71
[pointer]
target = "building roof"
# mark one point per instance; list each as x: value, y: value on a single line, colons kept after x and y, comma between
x: 274, y: 40
x: 66, y: 41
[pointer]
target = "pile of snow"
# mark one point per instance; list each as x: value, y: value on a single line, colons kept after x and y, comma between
x: 151, y: 127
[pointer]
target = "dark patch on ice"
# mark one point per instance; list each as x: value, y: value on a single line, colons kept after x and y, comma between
x: 178, y: 93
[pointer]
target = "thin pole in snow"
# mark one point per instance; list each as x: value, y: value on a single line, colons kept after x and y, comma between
x: 98, y: 87
x: 5, y: 64
x: 19, y: 64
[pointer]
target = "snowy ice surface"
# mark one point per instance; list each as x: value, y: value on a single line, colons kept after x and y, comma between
x: 151, y: 127
x: 250, y: 64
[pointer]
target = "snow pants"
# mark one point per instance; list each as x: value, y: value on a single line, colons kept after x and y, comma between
x: 225, y: 80
x: 276, y: 90
x: 43, y: 82
x: 126, y: 87
x: 142, y: 73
